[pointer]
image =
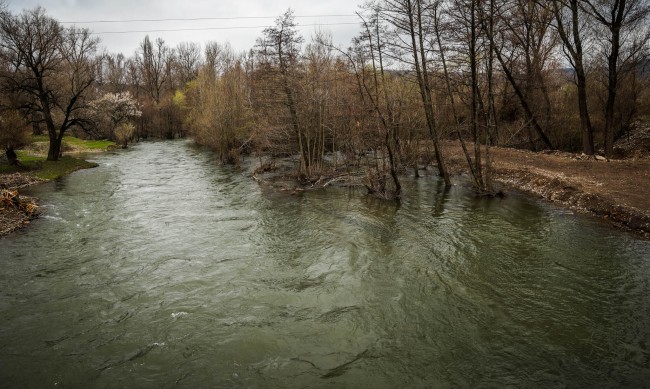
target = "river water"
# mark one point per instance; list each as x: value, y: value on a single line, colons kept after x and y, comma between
x: 161, y: 268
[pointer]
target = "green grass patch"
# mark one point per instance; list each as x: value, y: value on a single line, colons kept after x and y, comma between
x: 25, y: 157
x: 40, y: 138
x: 47, y: 170
x: 51, y: 170
x: 88, y: 144
x: 77, y: 144
x: 33, y: 160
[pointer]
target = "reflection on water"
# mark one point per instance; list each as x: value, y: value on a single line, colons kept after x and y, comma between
x: 161, y: 267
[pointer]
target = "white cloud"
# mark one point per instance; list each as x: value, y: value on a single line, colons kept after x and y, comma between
x: 212, y: 30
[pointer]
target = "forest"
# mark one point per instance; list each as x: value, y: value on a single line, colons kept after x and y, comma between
x: 566, y: 75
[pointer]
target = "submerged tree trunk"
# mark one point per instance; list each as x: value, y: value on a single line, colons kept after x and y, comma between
x: 452, y: 101
x: 473, y: 57
x: 388, y: 124
x: 421, y: 71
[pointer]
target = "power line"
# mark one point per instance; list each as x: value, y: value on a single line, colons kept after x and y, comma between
x: 204, y: 18
x: 213, y: 28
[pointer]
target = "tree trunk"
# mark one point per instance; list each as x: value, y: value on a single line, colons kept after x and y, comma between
x: 473, y: 55
x: 575, y: 54
x: 612, y: 85
x: 452, y: 103
x: 11, y: 156
x: 585, y: 122
x: 421, y: 71
x: 54, y: 151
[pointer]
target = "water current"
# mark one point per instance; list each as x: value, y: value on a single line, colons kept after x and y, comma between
x: 162, y: 268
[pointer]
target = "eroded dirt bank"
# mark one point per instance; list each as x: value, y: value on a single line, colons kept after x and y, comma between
x: 616, y: 190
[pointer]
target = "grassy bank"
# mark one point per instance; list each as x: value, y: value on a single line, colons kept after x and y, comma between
x: 70, y: 144
x: 34, y: 167
x: 39, y: 167
x: 33, y: 159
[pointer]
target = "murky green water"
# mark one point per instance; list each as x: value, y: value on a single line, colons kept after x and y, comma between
x: 161, y: 268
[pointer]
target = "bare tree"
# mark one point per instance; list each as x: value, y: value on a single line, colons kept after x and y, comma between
x: 521, y: 40
x: 569, y: 19
x: 114, y: 72
x: 51, y: 67
x: 376, y: 91
x: 412, y: 27
x: 153, y: 59
x: 625, y: 30
x: 188, y: 58
x: 280, y: 49
x: 438, y: 32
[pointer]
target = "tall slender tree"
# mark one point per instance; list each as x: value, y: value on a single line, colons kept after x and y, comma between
x: 279, y: 48
x: 626, y: 33
x: 569, y: 20
x: 412, y: 27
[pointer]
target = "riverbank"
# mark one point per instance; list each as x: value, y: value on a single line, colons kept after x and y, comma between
x: 35, y: 169
x: 614, y: 190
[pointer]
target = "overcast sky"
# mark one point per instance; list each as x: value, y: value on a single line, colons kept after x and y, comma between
x: 220, y: 30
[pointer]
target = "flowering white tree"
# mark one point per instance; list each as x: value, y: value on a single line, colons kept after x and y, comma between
x: 112, y: 111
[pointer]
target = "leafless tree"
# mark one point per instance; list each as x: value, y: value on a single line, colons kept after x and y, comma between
x: 625, y: 34
x: 570, y: 21
x: 153, y: 58
x: 412, y: 28
x: 522, y: 45
x: 52, y: 67
x: 188, y: 58
x: 279, y: 49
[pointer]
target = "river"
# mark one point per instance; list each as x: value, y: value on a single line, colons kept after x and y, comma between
x: 161, y: 268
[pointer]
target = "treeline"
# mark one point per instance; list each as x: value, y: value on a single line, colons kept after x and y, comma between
x: 560, y: 74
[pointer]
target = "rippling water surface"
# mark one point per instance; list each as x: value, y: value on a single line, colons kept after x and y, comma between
x: 161, y: 268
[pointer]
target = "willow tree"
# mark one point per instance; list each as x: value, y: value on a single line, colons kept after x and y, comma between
x: 50, y: 68
x: 219, y: 114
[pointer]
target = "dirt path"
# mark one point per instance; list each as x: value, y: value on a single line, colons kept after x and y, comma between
x: 617, y: 190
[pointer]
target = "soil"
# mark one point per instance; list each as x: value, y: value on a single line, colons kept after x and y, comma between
x: 616, y: 190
